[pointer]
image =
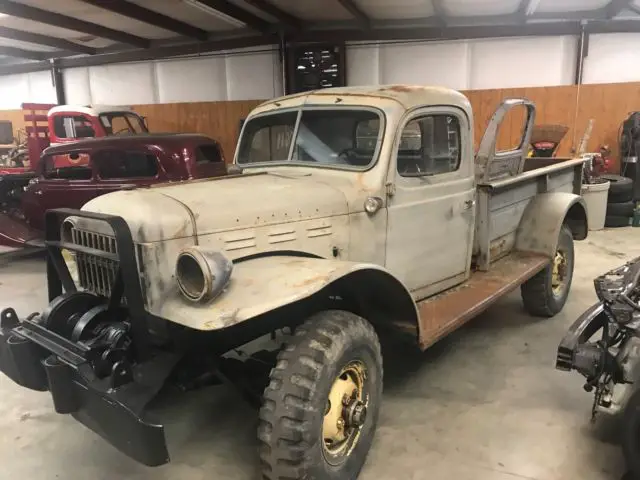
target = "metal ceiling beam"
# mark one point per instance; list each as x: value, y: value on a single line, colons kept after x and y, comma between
x: 615, y: 7
x: 285, y: 18
x: 523, y: 10
x: 28, y: 12
x: 440, y: 13
x: 36, y: 38
x: 240, y: 14
x: 142, y: 14
x: 21, y: 53
x: 356, y: 12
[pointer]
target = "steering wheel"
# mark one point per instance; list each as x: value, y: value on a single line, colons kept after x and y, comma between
x: 122, y: 130
x: 347, y: 155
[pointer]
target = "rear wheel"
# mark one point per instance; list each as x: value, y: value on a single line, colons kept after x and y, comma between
x: 321, y: 407
x: 545, y: 294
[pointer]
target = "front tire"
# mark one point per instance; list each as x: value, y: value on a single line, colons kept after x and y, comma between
x: 545, y: 294
x: 321, y: 406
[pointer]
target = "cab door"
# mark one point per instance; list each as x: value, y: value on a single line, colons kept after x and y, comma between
x: 431, y: 213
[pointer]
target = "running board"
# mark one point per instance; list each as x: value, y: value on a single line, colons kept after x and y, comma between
x: 445, y: 312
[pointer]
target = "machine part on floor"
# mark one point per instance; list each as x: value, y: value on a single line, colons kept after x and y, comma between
x: 545, y: 139
x: 616, y: 221
x: 321, y: 407
x: 603, y: 345
x: 621, y: 189
x: 621, y: 209
x: 545, y: 294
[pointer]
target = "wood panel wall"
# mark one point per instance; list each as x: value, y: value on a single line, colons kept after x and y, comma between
x: 219, y: 120
x: 573, y: 106
x: 607, y: 104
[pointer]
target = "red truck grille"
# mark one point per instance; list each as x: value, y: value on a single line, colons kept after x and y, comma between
x: 95, y: 274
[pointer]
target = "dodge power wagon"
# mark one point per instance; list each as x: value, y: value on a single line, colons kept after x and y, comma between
x: 348, y: 213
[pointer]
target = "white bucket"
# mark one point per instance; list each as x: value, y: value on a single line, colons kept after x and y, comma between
x: 595, y: 196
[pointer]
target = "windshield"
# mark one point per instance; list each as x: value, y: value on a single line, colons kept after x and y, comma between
x: 332, y: 137
x: 116, y: 123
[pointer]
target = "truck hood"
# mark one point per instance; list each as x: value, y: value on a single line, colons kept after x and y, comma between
x: 220, y: 204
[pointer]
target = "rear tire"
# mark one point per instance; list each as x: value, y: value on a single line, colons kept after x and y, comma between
x: 621, y: 209
x: 298, y: 413
x: 616, y: 221
x: 541, y: 294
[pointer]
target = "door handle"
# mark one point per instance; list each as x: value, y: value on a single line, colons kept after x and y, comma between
x: 469, y: 204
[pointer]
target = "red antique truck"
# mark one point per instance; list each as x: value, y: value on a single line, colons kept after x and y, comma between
x: 54, y: 125
x: 108, y: 164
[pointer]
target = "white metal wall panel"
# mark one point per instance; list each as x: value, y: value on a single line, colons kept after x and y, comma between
x: 14, y: 90
x: 522, y: 62
x: 125, y: 84
x: 77, y: 86
x: 612, y: 58
x: 41, y: 89
x: 363, y: 65
x: 253, y: 76
x: 442, y: 64
x: 192, y: 80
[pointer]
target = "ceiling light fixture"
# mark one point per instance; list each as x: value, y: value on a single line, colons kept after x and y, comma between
x: 212, y: 11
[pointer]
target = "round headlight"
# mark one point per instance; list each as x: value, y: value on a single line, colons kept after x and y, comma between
x: 202, y: 274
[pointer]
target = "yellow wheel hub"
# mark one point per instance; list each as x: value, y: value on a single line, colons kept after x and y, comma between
x: 345, y: 411
x: 559, y: 274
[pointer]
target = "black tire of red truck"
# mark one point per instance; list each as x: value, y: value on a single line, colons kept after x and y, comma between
x: 544, y: 295
x: 304, y: 432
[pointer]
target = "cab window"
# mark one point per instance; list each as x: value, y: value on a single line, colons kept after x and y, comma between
x: 73, y: 126
x: 117, y: 164
x: 429, y: 145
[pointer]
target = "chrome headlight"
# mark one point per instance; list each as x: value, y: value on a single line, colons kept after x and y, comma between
x: 202, y: 274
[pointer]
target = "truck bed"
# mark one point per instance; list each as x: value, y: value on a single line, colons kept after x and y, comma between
x: 443, y: 313
x: 502, y: 203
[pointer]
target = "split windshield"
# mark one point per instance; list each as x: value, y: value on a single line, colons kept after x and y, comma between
x: 337, y: 137
x: 116, y: 123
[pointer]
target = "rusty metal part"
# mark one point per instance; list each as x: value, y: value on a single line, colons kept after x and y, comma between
x: 444, y: 313
x: 559, y: 275
x: 345, y: 412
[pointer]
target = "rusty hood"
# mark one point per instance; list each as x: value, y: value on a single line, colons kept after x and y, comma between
x: 221, y: 204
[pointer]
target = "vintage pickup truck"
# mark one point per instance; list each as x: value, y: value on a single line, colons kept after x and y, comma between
x: 353, y: 212
x: 71, y: 174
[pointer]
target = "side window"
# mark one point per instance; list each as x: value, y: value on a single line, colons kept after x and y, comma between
x: 59, y: 167
x: 116, y: 164
x: 429, y: 145
x: 72, y: 126
x: 208, y: 154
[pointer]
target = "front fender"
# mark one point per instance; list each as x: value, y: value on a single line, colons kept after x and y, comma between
x: 263, y: 284
x: 543, y: 218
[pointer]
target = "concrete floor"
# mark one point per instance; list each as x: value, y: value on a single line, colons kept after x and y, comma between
x: 483, y: 404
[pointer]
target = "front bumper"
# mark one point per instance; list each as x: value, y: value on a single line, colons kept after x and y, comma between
x: 39, y: 359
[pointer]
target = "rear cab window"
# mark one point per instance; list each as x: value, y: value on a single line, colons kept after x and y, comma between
x: 208, y: 153
x: 73, y: 166
x: 123, y: 164
x: 73, y: 126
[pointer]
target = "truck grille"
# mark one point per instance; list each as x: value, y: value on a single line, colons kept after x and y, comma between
x: 95, y: 273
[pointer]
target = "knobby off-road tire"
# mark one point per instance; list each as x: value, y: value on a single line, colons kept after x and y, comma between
x: 327, y: 352
x: 540, y: 294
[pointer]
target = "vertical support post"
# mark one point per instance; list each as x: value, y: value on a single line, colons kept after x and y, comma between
x: 283, y: 64
x: 582, y: 52
x: 58, y: 82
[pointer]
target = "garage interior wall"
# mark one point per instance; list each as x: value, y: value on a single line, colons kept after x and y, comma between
x: 174, y: 94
